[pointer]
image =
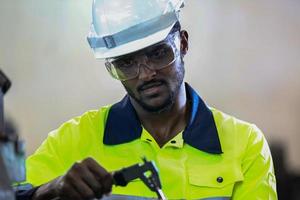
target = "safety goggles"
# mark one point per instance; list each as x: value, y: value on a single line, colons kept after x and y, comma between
x: 155, y: 57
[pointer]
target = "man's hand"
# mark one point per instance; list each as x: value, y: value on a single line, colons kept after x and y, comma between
x: 85, y: 180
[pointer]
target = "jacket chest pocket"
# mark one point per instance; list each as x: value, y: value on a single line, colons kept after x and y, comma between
x: 206, y: 181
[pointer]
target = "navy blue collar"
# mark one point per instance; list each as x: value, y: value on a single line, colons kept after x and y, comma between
x: 123, y: 125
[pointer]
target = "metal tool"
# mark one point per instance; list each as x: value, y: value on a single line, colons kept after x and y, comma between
x: 146, y: 171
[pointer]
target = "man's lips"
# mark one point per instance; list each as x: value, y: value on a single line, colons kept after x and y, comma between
x: 151, y: 88
x: 150, y: 85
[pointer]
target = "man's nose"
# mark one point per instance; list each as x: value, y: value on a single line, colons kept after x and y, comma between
x: 145, y: 72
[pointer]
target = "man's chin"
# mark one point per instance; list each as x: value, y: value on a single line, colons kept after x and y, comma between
x: 157, y: 108
x: 155, y: 103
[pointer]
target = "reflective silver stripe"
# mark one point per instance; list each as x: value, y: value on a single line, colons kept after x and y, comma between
x: 133, y: 33
x: 126, y: 197
x: 217, y: 198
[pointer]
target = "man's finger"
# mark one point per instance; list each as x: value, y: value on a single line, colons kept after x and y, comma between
x: 89, y: 179
x: 101, y: 175
x: 83, y: 189
x: 68, y: 192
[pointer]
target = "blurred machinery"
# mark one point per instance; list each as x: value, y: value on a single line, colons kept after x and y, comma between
x: 288, y: 183
x: 12, y: 161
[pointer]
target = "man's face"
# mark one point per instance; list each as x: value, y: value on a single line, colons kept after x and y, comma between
x: 156, y: 90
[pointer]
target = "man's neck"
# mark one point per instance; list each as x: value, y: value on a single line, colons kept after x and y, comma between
x: 165, y: 125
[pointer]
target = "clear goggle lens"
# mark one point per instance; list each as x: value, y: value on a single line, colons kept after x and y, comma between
x: 156, y: 57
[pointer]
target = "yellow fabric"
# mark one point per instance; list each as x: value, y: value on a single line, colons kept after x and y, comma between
x: 186, y: 172
x: 176, y: 142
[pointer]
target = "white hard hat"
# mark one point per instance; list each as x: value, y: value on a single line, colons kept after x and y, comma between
x: 123, y: 26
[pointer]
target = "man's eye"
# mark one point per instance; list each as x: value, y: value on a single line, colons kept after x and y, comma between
x: 158, y: 53
x: 125, y: 63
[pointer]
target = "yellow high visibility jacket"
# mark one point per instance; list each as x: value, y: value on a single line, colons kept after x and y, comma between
x: 216, y: 156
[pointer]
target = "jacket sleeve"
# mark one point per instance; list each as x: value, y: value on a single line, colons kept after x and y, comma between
x: 41, y: 167
x: 71, y: 142
x: 46, y: 163
x: 257, y: 167
x: 25, y: 194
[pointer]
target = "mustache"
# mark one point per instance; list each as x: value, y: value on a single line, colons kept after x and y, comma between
x: 150, y: 84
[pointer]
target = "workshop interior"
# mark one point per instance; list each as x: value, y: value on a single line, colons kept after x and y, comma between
x: 243, y: 58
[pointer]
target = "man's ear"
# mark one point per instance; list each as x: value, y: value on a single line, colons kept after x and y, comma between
x: 184, y: 42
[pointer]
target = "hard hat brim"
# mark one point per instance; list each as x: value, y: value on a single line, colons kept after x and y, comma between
x: 133, y: 46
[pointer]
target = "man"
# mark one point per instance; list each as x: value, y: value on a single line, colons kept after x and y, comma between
x: 201, y: 153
